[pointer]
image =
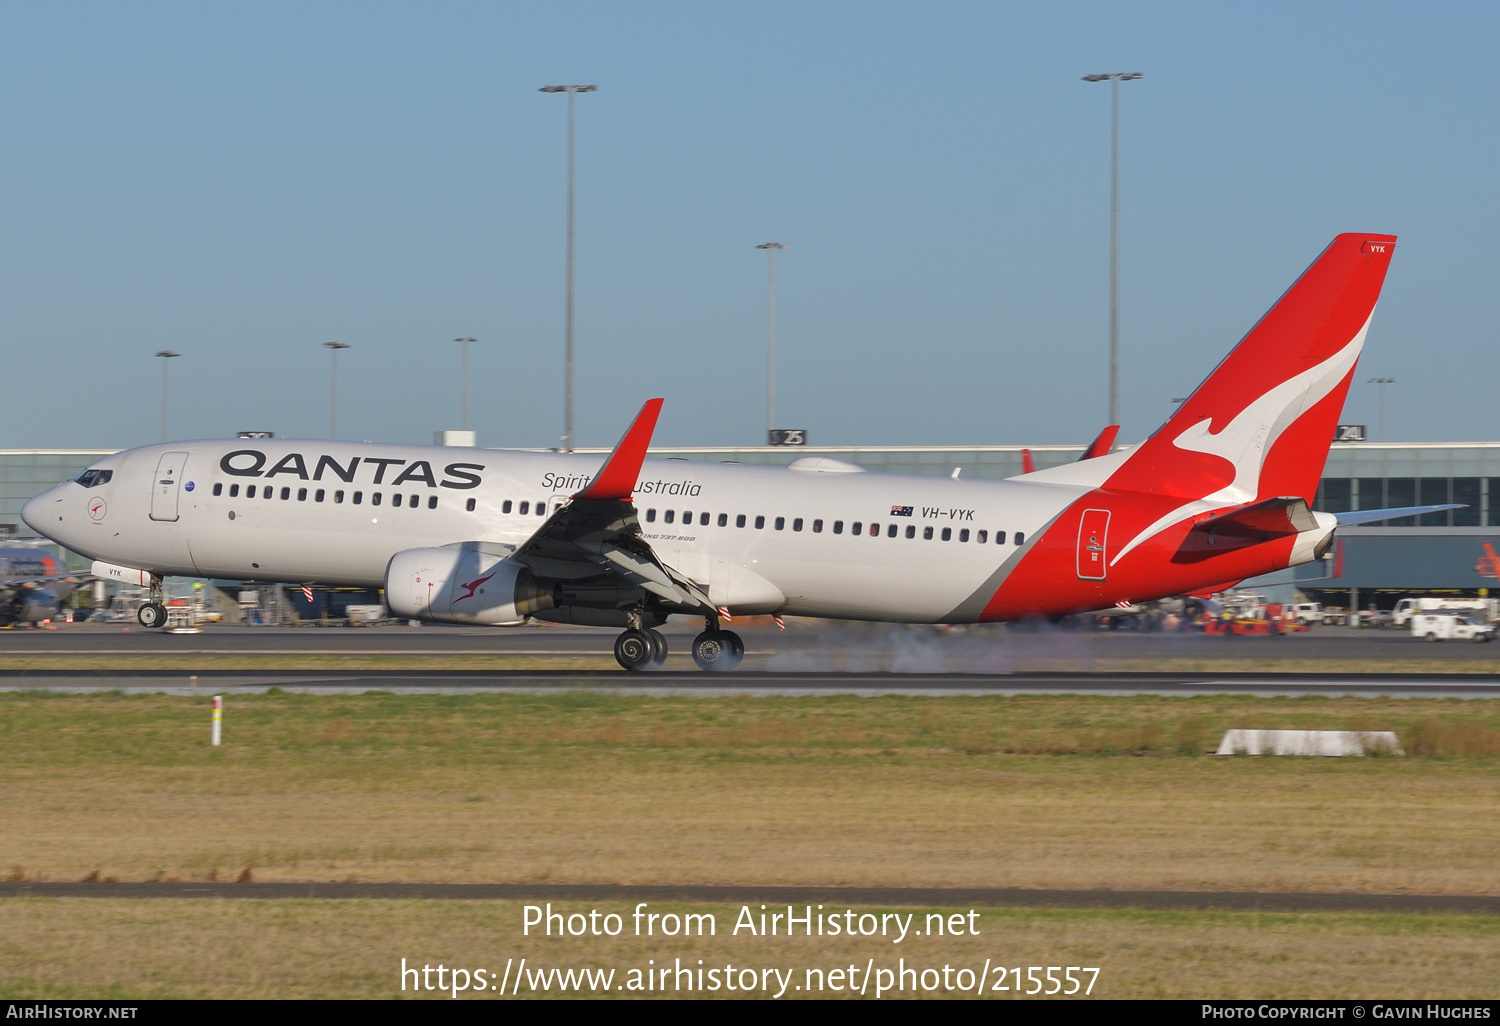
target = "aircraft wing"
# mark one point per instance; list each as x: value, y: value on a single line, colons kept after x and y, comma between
x: 597, y: 532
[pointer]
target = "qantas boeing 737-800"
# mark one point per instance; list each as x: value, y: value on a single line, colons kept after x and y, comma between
x: 1220, y: 493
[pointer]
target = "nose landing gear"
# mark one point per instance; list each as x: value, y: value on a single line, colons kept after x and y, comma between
x: 152, y: 613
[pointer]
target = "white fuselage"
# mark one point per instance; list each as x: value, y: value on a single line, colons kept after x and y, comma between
x: 319, y: 516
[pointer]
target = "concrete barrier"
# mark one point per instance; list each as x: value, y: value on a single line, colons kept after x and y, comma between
x: 1309, y: 742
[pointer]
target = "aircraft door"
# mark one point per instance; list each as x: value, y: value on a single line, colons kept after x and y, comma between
x: 167, y: 485
x: 1093, y: 530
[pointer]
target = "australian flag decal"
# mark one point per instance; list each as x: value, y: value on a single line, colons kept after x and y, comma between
x: 901, y: 511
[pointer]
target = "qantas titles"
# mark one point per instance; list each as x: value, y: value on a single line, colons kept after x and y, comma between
x: 249, y: 463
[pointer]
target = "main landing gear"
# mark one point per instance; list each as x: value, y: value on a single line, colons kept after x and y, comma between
x: 639, y: 649
x: 645, y: 649
x: 717, y: 650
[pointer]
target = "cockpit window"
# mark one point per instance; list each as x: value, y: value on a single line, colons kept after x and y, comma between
x: 93, y: 478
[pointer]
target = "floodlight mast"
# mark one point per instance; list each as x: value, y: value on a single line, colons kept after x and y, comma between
x: 771, y: 248
x: 166, y: 356
x: 1114, y: 79
x: 333, y: 388
x: 571, y: 90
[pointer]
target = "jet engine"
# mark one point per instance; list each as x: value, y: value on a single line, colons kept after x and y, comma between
x: 33, y: 606
x: 473, y: 583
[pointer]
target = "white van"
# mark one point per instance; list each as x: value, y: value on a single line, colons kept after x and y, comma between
x: 1450, y: 627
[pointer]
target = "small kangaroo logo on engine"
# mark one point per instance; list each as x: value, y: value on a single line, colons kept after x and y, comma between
x: 471, y: 586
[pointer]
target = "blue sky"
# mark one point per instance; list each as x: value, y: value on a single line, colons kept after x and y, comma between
x: 242, y: 182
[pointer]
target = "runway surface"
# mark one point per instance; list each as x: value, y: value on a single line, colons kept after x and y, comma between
x: 750, y: 683
x: 922, y: 897
x: 804, y: 643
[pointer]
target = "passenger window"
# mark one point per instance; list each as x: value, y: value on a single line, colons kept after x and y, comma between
x: 318, y: 495
x: 999, y: 537
x: 982, y: 537
x: 817, y: 527
x: 375, y: 499
x: 338, y: 496
x: 739, y: 521
x: 219, y: 488
x: 286, y: 493
x: 838, y: 527
x: 234, y: 490
x: 415, y: 501
x: 249, y: 491
x: 947, y: 534
x: 687, y: 516
x: 781, y: 523
x: 524, y: 508
x: 650, y: 516
x: 432, y: 502
x: 470, y: 505
x: 396, y: 500
x: 797, y: 524
x: 890, y: 532
x: 669, y: 515
x: 927, y: 533
x: 1020, y: 538
x: 723, y: 519
x: 541, y: 509
x: 760, y: 523
x: 504, y: 506
x: 856, y: 528
x: 963, y: 535
x: 702, y: 519
x: 358, y: 498
x: 301, y: 494
x: 911, y: 531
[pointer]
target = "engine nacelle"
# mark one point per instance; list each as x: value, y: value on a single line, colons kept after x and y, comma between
x: 35, y: 605
x: 472, y: 583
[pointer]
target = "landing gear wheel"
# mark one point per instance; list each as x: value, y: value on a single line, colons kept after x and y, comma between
x: 633, y: 649
x: 718, y: 650
x: 658, y: 649
x: 151, y: 615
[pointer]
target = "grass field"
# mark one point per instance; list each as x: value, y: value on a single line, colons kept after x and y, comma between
x: 1028, y: 791
x: 92, y: 948
x: 1066, y: 792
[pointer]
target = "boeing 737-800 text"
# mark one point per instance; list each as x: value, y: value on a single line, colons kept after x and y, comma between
x: 1220, y: 493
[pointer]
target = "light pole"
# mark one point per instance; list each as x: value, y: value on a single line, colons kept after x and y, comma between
x: 166, y: 355
x: 1114, y: 79
x: 771, y: 248
x: 1382, y: 382
x: 466, y: 339
x: 571, y: 90
x: 333, y: 389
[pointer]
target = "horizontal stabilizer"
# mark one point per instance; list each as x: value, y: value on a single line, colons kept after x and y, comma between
x: 1249, y: 524
x: 616, y: 479
x: 1366, y: 516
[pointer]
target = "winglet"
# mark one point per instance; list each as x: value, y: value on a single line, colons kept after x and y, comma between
x: 1101, y: 445
x: 616, y: 479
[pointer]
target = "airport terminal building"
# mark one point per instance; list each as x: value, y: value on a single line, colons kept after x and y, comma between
x: 1437, y: 553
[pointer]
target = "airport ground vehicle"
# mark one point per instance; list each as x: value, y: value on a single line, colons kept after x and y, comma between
x: 1220, y: 493
x: 1484, y: 608
x: 1450, y: 627
x: 1308, y: 612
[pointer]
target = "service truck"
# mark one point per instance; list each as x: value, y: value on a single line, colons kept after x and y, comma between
x: 1450, y: 627
x: 1485, y: 608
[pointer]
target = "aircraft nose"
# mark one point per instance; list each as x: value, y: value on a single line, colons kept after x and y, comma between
x: 34, y: 512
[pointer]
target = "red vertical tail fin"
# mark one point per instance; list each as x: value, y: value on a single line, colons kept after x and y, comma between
x: 1260, y: 425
